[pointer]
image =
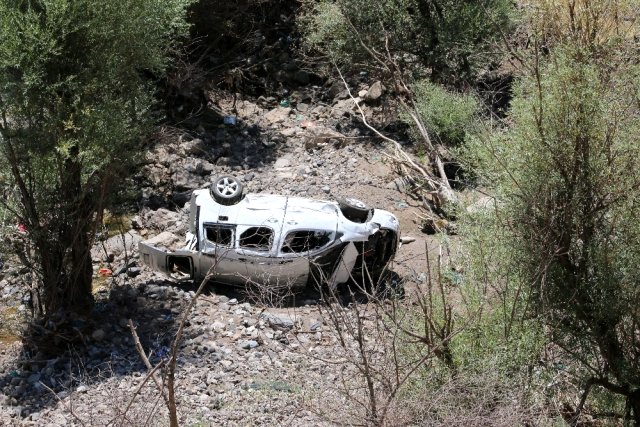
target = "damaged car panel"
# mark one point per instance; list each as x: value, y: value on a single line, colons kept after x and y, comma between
x: 278, y: 241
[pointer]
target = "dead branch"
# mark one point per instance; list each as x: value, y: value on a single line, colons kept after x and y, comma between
x: 171, y: 405
x: 68, y: 407
x: 145, y: 359
x: 149, y: 375
x: 400, y: 154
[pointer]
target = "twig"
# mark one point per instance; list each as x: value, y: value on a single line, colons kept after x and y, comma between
x: 171, y: 403
x: 67, y: 407
x: 149, y: 375
x: 145, y: 359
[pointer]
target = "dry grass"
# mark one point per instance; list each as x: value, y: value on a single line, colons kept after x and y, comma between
x: 588, y: 23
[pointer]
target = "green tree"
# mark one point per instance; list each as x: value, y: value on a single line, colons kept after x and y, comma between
x: 75, y: 100
x: 452, y: 38
x: 567, y: 178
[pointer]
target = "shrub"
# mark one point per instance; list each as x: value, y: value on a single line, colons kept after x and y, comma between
x: 453, y: 39
x: 447, y: 115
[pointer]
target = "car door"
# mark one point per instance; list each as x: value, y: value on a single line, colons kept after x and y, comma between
x: 178, y: 264
x: 298, y: 250
x: 265, y: 267
x: 220, y: 256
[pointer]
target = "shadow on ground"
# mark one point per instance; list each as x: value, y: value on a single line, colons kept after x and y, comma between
x: 81, y: 351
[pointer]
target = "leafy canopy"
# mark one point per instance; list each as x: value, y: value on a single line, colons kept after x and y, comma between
x: 76, y: 96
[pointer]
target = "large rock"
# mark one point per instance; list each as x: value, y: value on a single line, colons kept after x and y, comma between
x: 345, y: 107
x: 165, y: 239
x: 248, y: 109
x: 277, y: 115
x: 163, y: 219
x: 157, y: 174
x: 375, y: 92
x: 276, y: 321
x: 199, y: 167
x: 319, y: 135
x: 194, y: 147
x: 282, y: 163
x: 117, y: 245
x: 184, y: 180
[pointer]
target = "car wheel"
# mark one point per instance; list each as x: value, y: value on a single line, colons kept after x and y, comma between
x: 226, y: 190
x: 354, y: 209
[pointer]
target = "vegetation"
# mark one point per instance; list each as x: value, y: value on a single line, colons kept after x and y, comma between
x: 546, y: 282
x: 565, y: 176
x: 452, y: 39
x: 448, y: 116
x: 75, y: 101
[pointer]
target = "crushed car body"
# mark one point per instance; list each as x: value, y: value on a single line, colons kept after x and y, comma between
x: 278, y: 241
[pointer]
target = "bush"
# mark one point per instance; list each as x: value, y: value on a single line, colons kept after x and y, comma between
x: 566, y: 176
x: 452, y: 38
x: 448, y: 116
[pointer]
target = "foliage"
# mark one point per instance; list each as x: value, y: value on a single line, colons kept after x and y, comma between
x: 494, y: 379
x: 452, y: 38
x: 447, y: 115
x: 75, y: 99
x: 566, y: 177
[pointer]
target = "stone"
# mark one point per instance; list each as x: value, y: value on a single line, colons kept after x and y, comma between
x: 194, y: 147
x: 33, y: 378
x: 318, y: 135
x: 315, y: 325
x: 282, y: 163
x: 249, y: 344
x: 133, y: 271
x: 400, y: 184
x: 199, y: 167
x: 335, y: 89
x: 165, y: 240
x: 278, y: 322
x: 117, y: 245
x: 277, y: 115
x: 98, y: 335
x: 375, y: 92
x: 184, y: 180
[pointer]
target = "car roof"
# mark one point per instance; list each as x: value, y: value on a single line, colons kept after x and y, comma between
x: 275, y: 211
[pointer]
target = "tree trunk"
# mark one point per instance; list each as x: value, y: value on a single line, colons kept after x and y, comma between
x: 67, y: 279
x: 634, y: 402
x: 66, y: 255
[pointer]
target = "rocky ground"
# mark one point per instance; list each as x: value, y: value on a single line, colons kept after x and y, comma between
x: 241, y: 362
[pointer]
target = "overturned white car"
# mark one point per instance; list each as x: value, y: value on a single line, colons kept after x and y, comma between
x: 278, y: 241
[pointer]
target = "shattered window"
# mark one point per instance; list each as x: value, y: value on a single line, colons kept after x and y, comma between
x: 222, y: 236
x: 257, y: 238
x: 305, y: 241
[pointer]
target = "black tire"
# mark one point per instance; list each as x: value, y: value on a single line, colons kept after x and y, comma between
x: 226, y: 190
x: 354, y: 209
